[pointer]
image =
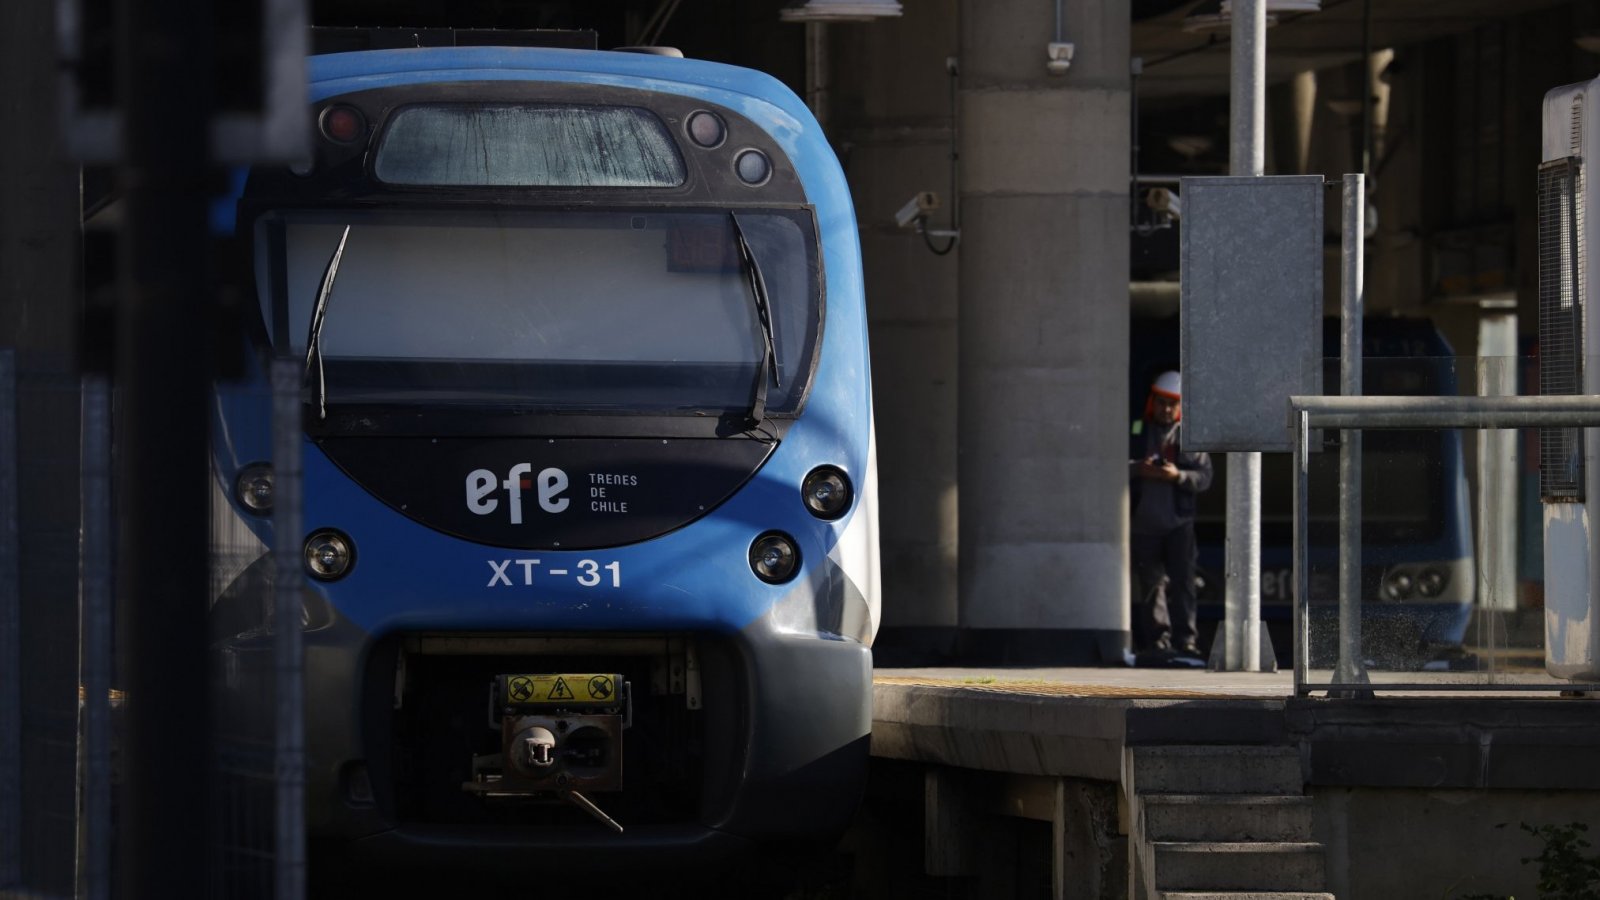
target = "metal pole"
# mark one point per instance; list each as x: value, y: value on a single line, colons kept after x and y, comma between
x: 288, y: 650
x: 1247, y: 112
x: 94, y: 660
x: 1413, y: 413
x: 1497, y: 468
x: 1302, y: 575
x: 817, y: 71
x: 1350, y: 669
x: 10, y: 635
x: 1135, y: 69
x: 164, y: 53
x: 1242, y: 651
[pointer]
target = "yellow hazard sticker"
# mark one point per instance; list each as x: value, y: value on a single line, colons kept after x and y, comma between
x: 587, y: 689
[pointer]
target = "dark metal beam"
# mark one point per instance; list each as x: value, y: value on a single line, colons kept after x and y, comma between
x: 164, y: 60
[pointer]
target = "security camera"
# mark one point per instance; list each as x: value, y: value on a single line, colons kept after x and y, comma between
x: 1164, y: 200
x: 916, y: 209
x: 1058, y: 57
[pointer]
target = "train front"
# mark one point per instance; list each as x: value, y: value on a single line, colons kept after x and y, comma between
x: 589, y: 499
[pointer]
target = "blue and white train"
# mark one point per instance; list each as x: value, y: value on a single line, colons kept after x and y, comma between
x: 589, y: 490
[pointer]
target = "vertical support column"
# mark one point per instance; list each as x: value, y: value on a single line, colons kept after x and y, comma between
x: 952, y: 822
x: 1497, y: 462
x: 10, y: 635
x: 1302, y: 572
x: 39, y: 313
x: 1242, y: 585
x: 1303, y: 100
x: 1351, y: 669
x: 897, y: 113
x: 95, y: 576
x: 164, y: 59
x: 1075, y: 864
x: 1043, y: 572
x: 288, y: 648
x: 817, y: 75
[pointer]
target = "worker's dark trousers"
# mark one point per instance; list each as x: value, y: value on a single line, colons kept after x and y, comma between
x: 1163, y: 589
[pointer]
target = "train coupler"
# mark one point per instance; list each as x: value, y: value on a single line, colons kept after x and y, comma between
x: 560, y: 736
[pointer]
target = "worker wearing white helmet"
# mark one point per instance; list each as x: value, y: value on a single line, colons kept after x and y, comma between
x: 1164, y: 480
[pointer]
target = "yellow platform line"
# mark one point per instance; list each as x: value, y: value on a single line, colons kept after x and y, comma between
x: 1056, y: 689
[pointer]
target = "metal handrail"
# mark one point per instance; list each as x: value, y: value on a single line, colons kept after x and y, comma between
x: 1355, y: 413
x: 1579, y: 411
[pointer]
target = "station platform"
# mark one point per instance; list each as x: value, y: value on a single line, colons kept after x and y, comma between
x: 1149, y: 777
x: 1075, y: 722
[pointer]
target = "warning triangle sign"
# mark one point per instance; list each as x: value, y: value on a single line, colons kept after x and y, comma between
x: 560, y: 691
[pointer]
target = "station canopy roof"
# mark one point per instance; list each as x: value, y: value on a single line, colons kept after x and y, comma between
x: 1195, y: 61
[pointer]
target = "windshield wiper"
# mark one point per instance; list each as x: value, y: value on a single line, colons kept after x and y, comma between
x: 318, y: 314
x: 769, y: 355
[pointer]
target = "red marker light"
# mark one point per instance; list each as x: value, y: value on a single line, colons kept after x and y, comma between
x: 343, y: 124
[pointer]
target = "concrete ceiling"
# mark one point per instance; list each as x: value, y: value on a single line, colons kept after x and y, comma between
x: 1180, y: 63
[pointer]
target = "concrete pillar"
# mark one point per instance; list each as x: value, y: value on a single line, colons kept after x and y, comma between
x: 891, y: 121
x: 1042, y: 430
x: 1303, y: 100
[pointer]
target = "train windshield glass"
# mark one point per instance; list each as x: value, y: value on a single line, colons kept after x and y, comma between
x: 527, y: 145
x: 586, y: 310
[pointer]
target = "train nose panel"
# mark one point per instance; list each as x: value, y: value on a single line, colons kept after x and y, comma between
x: 549, y: 493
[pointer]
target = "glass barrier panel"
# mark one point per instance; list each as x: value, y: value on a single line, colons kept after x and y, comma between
x: 1451, y: 575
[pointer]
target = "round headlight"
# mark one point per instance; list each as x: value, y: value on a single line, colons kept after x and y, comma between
x: 826, y: 492
x: 774, y: 557
x: 329, y: 555
x: 753, y: 167
x: 253, y: 488
x: 1431, y: 582
x: 1398, y: 585
x: 706, y: 129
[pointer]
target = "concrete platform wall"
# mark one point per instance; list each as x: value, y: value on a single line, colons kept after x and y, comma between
x: 1397, y: 842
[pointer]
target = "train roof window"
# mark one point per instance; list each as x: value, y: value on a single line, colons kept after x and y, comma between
x: 528, y: 145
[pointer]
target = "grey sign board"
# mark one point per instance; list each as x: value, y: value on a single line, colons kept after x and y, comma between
x: 1251, y: 308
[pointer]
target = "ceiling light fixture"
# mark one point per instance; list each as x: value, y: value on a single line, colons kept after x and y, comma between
x: 840, y: 11
x: 1218, y: 14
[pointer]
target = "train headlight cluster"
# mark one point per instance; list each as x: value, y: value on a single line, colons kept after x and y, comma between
x: 826, y: 492
x: 1405, y: 583
x: 253, y: 488
x: 328, y: 555
x: 709, y: 131
x: 774, y: 557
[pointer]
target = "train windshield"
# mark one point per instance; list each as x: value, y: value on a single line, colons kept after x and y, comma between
x: 648, y: 311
